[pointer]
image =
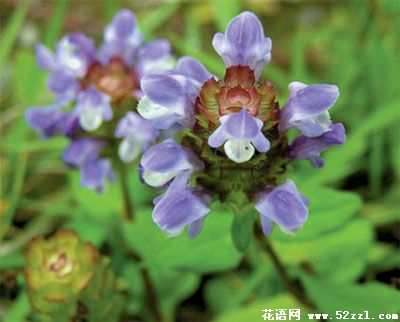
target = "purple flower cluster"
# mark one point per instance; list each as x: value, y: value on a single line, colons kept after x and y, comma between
x: 95, y: 94
x: 237, y: 135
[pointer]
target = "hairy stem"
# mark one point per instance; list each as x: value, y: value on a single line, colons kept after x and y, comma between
x: 287, y: 281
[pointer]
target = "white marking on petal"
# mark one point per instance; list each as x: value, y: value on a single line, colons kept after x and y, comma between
x: 323, y: 120
x: 239, y: 151
x: 129, y: 149
x: 149, y: 110
x: 90, y: 119
x: 157, y: 179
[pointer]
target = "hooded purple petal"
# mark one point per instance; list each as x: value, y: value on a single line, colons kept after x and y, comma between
x: 168, y: 100
x: 166, y: 160
x: 180, y: 206
x: 307, y: 108
x: 193, y: 69
x: 81, y: 150
x: 95, y: 172
x: 304, y: 147
x: 44, y: 119
x: 44, y: 57
x: 121, y: 38
x: 244, y: 43
x: 75, y: 52
x: 64, y: 85
x: 283, y: 205
x: 154, y: 57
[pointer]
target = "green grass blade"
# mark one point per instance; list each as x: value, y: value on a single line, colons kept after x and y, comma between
x: 11, y: 32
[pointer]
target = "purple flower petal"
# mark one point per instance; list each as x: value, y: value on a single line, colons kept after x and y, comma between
x: 44, y: 119
x: 241, y: 133
x: 193, y: 69
x: 166, y: 160
x: 95, y: 172
x: 75, y: 52
x: 244, y: 43
x: 304, y: 147
x: 93, y: 107
x: 154, y: 57
x: 168, y: 100
x: 81, y: 150
x: 121, y: 37
x: 283, y: 205
x: 307, y: 108
x: 180, y: 206
x: 44, y: 57
x: 64, y: 85
x: 137, y: 134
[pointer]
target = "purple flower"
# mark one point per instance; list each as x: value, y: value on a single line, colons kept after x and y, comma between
x: 81, y: 150
x: 74, y: 53
x: 169, y: 99
x: 244, y: 43
x: 93, y: 107
x: 154, y: 57
x: 164, y: 161
x: 45, y: 120
x: 181, y: 206
x: 241, y: 133
x: 137, y: 134
x: 121, y: 38
x: 283, y: 205
x: 64, y: 85
x: 95, y: 172
x: 307, y: 108
x: 51, y: 120
x: 304, y: 147
x: 84, y: 154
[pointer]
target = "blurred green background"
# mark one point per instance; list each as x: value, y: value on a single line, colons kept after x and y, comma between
x: 347, y: 255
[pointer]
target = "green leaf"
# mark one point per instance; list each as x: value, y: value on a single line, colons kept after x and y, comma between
x: 373, y: 297
x: 19, y: 310
x: 242, y: 231
x: 210, y: 251
x: 157, y: 17
x: 12, y: 30
x: 337, y: 255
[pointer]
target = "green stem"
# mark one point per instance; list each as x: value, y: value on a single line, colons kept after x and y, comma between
x: 128, y: 213
x: 287, y: 281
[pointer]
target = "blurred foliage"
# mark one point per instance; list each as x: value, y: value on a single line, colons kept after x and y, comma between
x: 348, y: 249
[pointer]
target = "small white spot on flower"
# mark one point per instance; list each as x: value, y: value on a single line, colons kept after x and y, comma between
x: 149, y: 110
x: 90, y: 119
x: 239, y: 151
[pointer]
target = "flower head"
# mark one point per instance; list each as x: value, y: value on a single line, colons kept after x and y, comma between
x: 96, y: 94
x: 235, y: 129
